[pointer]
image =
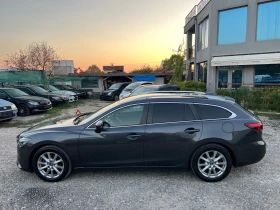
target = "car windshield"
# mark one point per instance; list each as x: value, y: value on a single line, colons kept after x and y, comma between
x: 53, y: 88
x: 38, y: 90
x: 99, y: 112
x: 132, y: 86
x: 143, y: 90
x: 115, y: 86
x: 68, y: 87
x: 15, y: 92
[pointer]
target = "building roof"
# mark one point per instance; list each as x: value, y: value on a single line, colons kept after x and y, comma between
x: 113, y: 68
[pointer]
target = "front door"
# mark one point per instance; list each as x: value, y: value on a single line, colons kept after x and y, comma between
x: 170, y: 132
x: 120, y: 143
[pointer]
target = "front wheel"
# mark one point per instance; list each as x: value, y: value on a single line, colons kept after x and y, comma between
x: 23, y: 110
x: 116, y: 97
x: 51, y: 164
x: 211, y: 163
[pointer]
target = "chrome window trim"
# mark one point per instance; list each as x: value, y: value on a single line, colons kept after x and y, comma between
x: 233, y: 115
x: 174, y: 122
x: 88, y: 127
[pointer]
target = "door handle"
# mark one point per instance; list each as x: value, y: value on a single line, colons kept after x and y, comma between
x: 192, y: 130
x: 133, y: 137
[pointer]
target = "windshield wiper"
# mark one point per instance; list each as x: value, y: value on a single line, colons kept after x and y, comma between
x: 78, y: 119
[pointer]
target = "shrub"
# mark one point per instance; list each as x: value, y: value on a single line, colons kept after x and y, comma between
x: 266, y: 99
x: 192, y: 86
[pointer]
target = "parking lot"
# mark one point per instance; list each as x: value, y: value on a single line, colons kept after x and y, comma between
x: 251, y: 187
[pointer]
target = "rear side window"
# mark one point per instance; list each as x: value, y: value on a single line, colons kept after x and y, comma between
x: 207, y: 112
x: 171, y: 112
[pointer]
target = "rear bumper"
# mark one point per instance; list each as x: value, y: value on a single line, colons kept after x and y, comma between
x: 250, y: 153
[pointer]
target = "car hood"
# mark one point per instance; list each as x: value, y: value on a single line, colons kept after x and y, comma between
x: 64, y: 92
x: 31, y: 98
x: 5, y: 103
x: 108, y: 91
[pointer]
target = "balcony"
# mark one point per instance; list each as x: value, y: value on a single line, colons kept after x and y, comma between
x: 196, y: 10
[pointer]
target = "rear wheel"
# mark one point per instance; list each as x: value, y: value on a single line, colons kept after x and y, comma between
x: 23, y: 110
x: 211, y: 163
x: 51, y: 164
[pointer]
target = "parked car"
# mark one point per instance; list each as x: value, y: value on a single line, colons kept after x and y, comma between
x: 70, y: 94
x: 34, y: 90
x: 113, y: 92
x: 81, y: 93
x: 25, y: 103
x: 8, y: 110
x: 152, y: 88
x: 131, y: 87
x: 206, y: 135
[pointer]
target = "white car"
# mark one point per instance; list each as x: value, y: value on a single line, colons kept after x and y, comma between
x: 70, y: 94
x: 131, y: 87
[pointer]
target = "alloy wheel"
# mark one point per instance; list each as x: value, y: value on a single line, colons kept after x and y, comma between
x: 50, y: 165
x: 212, y: 164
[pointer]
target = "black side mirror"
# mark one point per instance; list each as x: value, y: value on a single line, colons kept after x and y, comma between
x: 99, y: 126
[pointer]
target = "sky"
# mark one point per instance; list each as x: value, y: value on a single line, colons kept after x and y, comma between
x: 123, y: 32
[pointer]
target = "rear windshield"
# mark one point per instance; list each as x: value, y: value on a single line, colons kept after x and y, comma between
x: 115, y: 86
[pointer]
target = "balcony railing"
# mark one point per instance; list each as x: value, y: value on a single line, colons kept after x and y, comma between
x: 196, y: 10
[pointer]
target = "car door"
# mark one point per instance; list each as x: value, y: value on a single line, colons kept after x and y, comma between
x: 120, y: 143
x: 171, y: 130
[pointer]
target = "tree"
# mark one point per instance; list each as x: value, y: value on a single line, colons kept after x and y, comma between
x: 170, y: 64
x: 37, y: 56
x: 178, y: 63
x: 146, y: 69
x: 93, y: 69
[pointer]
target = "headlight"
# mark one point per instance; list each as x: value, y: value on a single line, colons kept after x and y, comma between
x: 55, y: 98
x: 65, y: 98
x: 109, y: 93
x: 23, y: 141
x: 14, y: 106
x: 33, y: 103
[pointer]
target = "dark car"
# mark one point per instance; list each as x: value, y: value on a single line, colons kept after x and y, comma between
x: 152, y: 88
x: 34, y: 90
x: 113, y: 93
x: 81, y: 93
x: 197, y: 132
x: 25, y: 103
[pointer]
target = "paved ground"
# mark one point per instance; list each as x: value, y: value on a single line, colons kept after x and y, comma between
x: 251, y: 187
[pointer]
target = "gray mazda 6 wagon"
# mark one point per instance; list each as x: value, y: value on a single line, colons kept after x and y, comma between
x: 200, y: 133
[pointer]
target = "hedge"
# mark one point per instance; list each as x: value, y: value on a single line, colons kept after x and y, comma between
x: 265, y: 99
x: 192, y: 86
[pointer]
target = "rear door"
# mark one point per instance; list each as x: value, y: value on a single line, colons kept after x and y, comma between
x: 171, y: 130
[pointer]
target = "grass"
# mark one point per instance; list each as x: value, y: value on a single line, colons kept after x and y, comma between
x: 270, y: 116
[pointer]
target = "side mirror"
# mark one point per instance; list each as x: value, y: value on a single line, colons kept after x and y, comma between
x: 99, y: 126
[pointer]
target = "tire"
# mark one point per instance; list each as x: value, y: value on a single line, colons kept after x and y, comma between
x: 211, y: 170
x: 51, y: 171
x: 23, y: 110
x: 116, y: 98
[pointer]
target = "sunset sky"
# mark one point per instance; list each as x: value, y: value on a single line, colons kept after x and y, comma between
x: 124, y: 32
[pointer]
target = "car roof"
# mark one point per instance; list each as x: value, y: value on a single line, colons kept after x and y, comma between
x: 2, y: 88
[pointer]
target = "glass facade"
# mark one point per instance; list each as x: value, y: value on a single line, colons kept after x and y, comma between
x: 203, y: 34
x: 232, y: 26
x: 223, y: 79
x: 268, y: 21
x: 90, y: 83
x: 237, y: 78
x: 267, y: 75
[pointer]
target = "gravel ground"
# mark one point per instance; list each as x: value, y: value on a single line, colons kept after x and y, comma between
x: 251, y: 187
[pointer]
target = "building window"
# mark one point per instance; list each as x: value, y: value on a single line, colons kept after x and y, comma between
x: 237, y: 78
x: 90, y: 83
x: 267, y: 75
x: 232, y: 26
x: 202, y: 72
x: 203, y: 34
x: 268, y: 21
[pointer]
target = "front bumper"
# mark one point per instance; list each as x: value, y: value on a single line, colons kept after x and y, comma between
x: 40, y: 108
x: 23, y: 157
x: 106, y: 97
x: 250, y: 153
x: 8, y: 114
x: 73, y: 98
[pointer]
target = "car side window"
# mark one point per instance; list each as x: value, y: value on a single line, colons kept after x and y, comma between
x: 2, y: 95
x: 26, y: 90
x: 168, y: 112
x: 207, y: 112
x: 127, y: 116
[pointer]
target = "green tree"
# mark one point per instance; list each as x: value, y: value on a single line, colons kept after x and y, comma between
x: 93, y: 69
x: 177, y: 61
x: 171, y: 63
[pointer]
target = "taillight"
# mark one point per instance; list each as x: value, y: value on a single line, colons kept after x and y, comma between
x: 255, y: 126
